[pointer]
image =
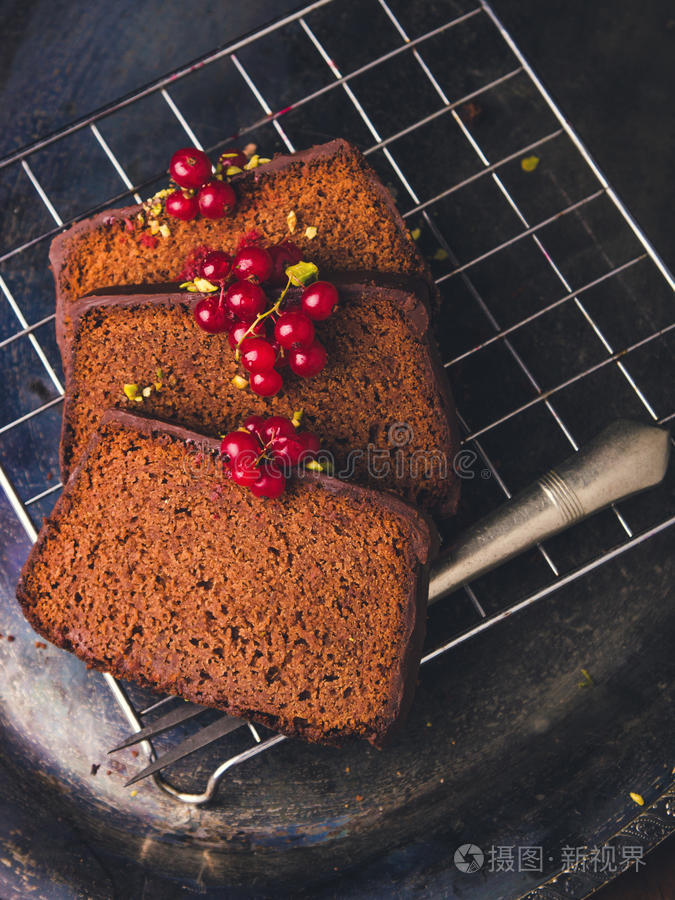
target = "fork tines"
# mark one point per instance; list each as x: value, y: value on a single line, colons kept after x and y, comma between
x: 176, y: 716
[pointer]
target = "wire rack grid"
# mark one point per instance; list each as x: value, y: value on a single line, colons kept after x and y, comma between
x: 499, y: 125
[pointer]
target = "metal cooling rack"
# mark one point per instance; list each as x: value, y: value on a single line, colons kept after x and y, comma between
x: 575, y: 207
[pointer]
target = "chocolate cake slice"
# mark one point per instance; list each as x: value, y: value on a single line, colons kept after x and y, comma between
x: 381, y: 405
x: 305, y: 613
x: 329, y: 188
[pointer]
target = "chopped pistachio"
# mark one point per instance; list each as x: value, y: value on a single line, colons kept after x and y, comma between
x: 440, y: 254
x: 160, y: 195
x: 310, y: 232
x: 637, y: 798
x: 529, y: 163
x: 255, y: 161
x: 239, y: 382
x: 315, y: 466
x: 233, y: 170
x: 292, y: 221
x: 302, y: 273
x: 201, y: 284
x: 131, y: 390
x: 154, y: 226
x: 156, y: 209
x: 416, y: 233
x: 147, y: 391
x: 297, y: 417
x: 164, y: 230
x: 588, y: 681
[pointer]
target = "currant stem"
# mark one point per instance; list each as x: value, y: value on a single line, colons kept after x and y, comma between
x: 263, y: 454
x: 266, y: 447
x: 258, y: 319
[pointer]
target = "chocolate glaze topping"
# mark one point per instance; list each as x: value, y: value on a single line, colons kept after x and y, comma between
x: 411, y: 294
x: 424, y: 541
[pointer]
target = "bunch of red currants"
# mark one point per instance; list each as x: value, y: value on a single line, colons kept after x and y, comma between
x: 262, y: 454
x: 199, y: 191
x: 266, y: 335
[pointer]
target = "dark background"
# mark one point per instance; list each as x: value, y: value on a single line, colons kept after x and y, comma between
x: 610, y: 66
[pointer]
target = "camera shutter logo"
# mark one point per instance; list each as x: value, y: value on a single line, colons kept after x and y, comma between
x: 469, y: 858
x: 400, y: 434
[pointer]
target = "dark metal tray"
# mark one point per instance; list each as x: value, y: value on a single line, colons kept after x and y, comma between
x: 557, y: 319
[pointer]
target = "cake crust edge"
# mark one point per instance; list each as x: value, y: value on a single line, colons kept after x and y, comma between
x: 417, y: 316
x: 425, y: 542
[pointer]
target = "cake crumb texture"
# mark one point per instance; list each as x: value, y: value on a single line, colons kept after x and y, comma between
x: 379, y: 377
x: 334, y: 191
x: 303, y: 613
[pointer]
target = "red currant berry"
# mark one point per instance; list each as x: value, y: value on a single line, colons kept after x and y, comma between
x: 288, y: 450
x: 271, y: 483
x: 246, y: 300
x: 319, y: 300
x: 211, y: 315
x: 281, y: 362
x: 216, y: 266
x: 245, y: 475
x: 190, y: 168
x: 276, y: 427
x: 283, y: 255
x: 216, y: 199
x: 307, y: 362
x: 181, y: 207
x: 253, y: 262
x: 255, y: 425
x: 266, y: 384
x: 192, y: 267
x: 232, y: 157
x: 241, y: 447
x: 310, y: 444
x: 238, y: 330
x: 257, y: 355
x: 294, y: 329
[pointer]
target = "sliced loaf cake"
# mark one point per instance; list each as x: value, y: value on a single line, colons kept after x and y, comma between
x: 329, y: 188
x: 305, y: 613
x: 381, y: 405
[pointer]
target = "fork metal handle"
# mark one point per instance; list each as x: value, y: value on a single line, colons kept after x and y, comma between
x: 625, y: 458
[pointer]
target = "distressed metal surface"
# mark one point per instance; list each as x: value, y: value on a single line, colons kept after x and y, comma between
x: 547, y: 339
